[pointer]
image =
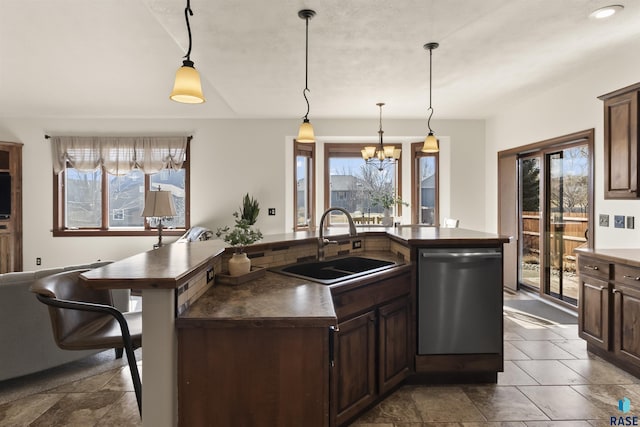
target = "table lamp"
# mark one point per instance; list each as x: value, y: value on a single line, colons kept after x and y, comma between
x: 158, y: 205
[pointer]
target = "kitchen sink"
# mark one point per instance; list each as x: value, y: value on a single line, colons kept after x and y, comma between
x: 335, y: 270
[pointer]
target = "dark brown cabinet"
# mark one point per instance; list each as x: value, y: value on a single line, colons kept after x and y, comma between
x: 372, y: 350
x: 609, y: 309
x: 626, y: 309
x: 622, y: 180
x: 594, y: 297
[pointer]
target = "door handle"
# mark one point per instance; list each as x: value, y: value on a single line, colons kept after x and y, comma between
x: 632, y: 277
x: 591, y: 267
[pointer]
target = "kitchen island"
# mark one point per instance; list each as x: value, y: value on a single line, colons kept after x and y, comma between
x: 178, y: 291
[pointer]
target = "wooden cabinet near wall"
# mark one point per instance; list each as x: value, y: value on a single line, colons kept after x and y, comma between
x: 594, y: 297
x: 10, y: 207
x: 621, y: 154
x: 609, y: 305
x: 372, y: 347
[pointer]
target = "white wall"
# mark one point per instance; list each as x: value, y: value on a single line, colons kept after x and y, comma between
x: 228, y: 159
x: 567, y: 107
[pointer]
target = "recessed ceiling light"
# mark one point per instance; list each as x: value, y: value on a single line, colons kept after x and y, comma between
x: 606, y: 11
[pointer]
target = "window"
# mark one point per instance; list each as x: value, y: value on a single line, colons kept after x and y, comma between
x: 107, y: 199
x: 353, y: 185
x: 424, y: 200
x: 304, y: 182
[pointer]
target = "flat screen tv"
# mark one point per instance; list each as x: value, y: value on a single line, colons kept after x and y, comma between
x: 5, y: 195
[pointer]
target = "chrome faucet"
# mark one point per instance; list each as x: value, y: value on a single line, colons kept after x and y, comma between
x: 322, y: 242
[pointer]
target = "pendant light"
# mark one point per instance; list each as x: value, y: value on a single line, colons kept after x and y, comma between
x: 305, y: 133
x: 381, y: 156
x: 430, y: 142
x: 187, y: 88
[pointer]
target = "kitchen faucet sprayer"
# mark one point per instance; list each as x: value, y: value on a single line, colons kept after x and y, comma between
x: 322, y: 241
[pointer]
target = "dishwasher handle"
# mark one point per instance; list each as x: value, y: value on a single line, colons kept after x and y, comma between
x: 457, y: 255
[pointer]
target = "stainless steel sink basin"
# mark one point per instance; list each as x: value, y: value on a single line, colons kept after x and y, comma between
x: 335, y: 270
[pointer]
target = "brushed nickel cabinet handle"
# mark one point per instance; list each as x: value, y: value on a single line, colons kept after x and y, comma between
x: 632, y: 277
x: 614, y: 291
x: 591, y: 267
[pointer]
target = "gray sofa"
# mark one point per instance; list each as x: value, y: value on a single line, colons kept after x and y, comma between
x: 27, y: 344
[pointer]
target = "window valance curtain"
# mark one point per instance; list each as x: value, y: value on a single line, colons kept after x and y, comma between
x: 118, y: 155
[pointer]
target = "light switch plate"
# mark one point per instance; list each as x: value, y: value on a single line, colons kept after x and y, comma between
x: 618, y: 221
x: 630, y: 222
x: 604, y: 220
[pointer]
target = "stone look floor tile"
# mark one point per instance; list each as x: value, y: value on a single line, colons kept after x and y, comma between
x: 562, y: 403
x: 599, y: 372
x: 511, y: 352
x: 541, y: 350
x: 399, y: 407
x: 576, y: 347
x: 78, y: 409
x: 550, y: 372
x: 513, y: 375
x: 446, y: 403
x: 23, y: 412
x: 504, y: 404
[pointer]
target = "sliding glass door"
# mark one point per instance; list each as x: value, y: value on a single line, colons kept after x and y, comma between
x: 555, y: 206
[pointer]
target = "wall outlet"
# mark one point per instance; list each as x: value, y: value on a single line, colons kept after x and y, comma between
x: 618, y: 221
x: 38, y: 261
x: 630, y: 222
x: 210, y: 274
x: 272, y: 211
x: 356, y: 244
x: 604, y: 220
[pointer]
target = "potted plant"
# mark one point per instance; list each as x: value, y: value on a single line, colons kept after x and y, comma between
x: 242, y: 235
x: 387, y: 200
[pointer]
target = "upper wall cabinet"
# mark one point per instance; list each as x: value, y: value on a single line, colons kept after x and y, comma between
x: 621, y: 143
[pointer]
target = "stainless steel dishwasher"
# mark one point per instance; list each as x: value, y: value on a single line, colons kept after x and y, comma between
x: 460, y: 301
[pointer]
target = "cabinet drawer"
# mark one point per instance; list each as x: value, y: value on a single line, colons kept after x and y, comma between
x: 594, y: 267
x: 364, y: 298
x: 627, y: 275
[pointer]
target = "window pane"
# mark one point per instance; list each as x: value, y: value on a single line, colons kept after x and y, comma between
x: 354, y: 185
x: 126, y: 200
x: 83, y: 198
x: 303, y: 215
x: 174, y: 181
x: 427, y: 193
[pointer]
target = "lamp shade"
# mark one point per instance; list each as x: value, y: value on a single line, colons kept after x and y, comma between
x: 187, y: 88
x: 158, y: 204
x: 305, y: 133
x: 430, y: 144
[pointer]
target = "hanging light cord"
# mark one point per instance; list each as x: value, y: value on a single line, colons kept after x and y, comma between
x: 430, y: 110
x: 187, y: 12
x: 380, y: 132
x: 306, y: 69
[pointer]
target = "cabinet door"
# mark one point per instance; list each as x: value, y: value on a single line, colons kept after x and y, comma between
x: 621, y: 146
x: 393, y: 336
x: 355, y: 365
x: 593, y: 311
x: 626, y: 323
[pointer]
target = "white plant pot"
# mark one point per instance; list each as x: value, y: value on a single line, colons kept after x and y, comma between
x: 387, y: 219
x: 239, y: 264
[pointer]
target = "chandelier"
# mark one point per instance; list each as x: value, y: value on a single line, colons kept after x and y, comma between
x: 380, y: 156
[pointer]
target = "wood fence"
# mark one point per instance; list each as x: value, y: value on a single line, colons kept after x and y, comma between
x: 571, y: 229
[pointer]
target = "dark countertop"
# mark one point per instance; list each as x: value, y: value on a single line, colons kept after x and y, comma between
x: 626, y: 256
x: 413, y: 235
x: 276, y: 299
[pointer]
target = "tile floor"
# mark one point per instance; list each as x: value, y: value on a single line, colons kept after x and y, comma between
x: 549, y: 380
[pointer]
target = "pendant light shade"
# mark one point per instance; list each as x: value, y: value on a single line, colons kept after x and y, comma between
x: 187, y: 88
x: 305, y: 133
x: 431, y: 144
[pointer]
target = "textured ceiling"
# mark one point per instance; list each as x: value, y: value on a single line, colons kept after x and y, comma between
x: 117, y: 58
